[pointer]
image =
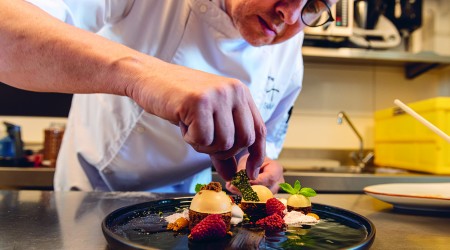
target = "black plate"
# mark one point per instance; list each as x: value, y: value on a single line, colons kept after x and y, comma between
x: 142, y: 226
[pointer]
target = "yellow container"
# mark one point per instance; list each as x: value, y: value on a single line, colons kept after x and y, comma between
x: 403, y: 142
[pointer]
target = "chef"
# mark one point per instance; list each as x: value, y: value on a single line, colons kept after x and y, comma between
x: 163, y: 89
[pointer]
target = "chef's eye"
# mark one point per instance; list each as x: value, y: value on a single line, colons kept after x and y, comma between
x: 313, y: 7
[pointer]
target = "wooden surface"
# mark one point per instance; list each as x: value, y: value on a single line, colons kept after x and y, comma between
x: 26, y: 178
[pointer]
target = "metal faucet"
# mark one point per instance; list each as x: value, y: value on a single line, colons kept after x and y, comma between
x: 360, y: 160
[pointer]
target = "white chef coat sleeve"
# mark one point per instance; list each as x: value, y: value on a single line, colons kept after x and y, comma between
x: 56, y: 8
x: 277, y: 125
x: 89, y: 15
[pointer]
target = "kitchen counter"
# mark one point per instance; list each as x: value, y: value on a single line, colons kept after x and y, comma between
x: 26, y: 178
x: 72, y: 220
x: 356, y: 182
x: 326, y: 182
x: 333, y: 182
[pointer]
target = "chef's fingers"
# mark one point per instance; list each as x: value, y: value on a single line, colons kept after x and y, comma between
x: 222, y: 123
x: 224, y: 134
x: 257, y: 151
x: 240, y: 165
x: 232, y: 188
x: 271, y: 175
x: 225, y: 168
x: 269, y: 180
x: 199, y: 132
x: 243, y: 133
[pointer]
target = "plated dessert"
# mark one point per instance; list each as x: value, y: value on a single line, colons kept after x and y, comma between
x: 299, y: 197
x: 212, y: 213
x: 204, y: 222
x: 210, y: 200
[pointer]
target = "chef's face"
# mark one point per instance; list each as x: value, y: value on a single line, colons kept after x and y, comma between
x: 265, y: 22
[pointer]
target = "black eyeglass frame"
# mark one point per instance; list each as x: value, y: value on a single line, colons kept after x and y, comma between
x: 330, y: 15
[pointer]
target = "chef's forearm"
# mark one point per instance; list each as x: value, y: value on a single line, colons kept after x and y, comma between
x: 40, y: 53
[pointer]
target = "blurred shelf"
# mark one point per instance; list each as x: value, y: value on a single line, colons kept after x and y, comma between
x: 414, y: 64
x: 26, y: 178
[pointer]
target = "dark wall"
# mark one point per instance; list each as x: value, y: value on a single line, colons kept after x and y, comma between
x: 17, y: 102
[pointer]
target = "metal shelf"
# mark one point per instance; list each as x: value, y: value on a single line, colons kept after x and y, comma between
x: 414, y: 64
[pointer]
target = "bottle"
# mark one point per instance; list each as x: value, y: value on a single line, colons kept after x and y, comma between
x: 52, y: 142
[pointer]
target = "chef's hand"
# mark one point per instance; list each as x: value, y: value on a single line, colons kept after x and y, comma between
x: 216, y: 114
x: 271, y: 175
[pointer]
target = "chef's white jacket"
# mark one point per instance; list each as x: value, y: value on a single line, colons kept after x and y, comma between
x: 111, y: 144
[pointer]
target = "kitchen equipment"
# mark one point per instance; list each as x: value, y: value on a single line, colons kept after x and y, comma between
x: 383, y: 36
x: 367, y: 13
x: 372, y: 29
x: 342, y: 12
x: 406, y: 15
x: 359, y: 22
x: 401, y: 141
x: 11, y: 146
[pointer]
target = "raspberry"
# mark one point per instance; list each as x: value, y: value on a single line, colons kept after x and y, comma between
x: 274, y: 206
x: 211, y: 227
x: 271, y: 223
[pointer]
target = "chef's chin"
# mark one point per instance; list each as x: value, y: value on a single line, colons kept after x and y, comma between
x: 257, y: 40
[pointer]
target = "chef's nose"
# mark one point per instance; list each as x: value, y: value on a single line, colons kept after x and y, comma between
x: 289, y: 11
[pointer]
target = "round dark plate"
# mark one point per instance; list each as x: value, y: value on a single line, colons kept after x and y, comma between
x: 142, y: 226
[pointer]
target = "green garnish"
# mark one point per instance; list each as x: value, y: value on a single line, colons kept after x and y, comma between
x: 178, y: 209
x: 241, y: 182
x: 297, y: 189
x: 198, y: 187
x: 245, y: 218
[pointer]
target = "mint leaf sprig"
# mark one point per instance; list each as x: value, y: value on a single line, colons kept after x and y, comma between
x: 198, y: 187
x: 297, y: 189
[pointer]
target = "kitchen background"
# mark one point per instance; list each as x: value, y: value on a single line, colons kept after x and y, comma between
x: 333, y: 81
x: 357, y: 86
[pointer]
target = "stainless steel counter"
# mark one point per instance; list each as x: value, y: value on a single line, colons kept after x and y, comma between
x: 355, y: 182
x: 71, y: 220
x: 42, y: 178
x: 324, y: 182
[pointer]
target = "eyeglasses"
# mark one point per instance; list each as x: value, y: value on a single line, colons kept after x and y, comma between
x: 316, y: 13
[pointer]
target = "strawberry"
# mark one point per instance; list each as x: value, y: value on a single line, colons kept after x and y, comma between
x: 271, y: 223
x: 211, y: 227
x: 274, y: 206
